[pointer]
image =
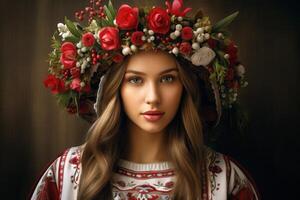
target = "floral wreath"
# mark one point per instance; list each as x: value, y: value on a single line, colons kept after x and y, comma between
x: 81, y: 54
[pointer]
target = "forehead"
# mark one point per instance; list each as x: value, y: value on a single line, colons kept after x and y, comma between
x: 150, y: 62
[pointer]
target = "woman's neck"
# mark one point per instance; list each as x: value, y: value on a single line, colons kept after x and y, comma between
x: 145, y: 147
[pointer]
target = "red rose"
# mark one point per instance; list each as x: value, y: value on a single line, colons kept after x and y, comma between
x: 75, y: 84
x: 185, y: 48
x: 187, y: 33
x: 127, y: 17
x: 158, y: 20
x: 55, y: 84
x: 118, y: 58
x: 75, y: 72
x: 176, y: 8
x: 232, y: 51
x: 68, y: 54
x: 88, y: 39
x: 109, y: 38
x: 136, y: 38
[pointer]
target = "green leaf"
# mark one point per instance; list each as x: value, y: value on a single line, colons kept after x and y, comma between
x: 110, y: 17
x: 220, y: 71
x: 224, y: 22
x: 111, y: 9
x: 72, y: 39
x: 72, y: 28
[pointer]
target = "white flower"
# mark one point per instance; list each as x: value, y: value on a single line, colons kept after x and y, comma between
x: 203, y: 56
x: 66, y: 34
x: 207, y: 36
x: 126, y: 51
x: 240, y: 70
x: 62, y: 28
x: 175, y: 50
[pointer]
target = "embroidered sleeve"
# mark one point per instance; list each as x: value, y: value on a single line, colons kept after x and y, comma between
x: 240, y: 184
x: 47, y: 186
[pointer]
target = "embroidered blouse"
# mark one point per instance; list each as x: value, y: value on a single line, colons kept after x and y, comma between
x: 225, y: 179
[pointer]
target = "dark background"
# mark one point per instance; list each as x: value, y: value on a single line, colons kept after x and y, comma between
x: 34, y: 129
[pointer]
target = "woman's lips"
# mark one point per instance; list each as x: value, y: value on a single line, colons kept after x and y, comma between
x: 153, y: 117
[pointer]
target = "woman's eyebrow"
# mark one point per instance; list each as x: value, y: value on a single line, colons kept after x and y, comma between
x: 142, y: 73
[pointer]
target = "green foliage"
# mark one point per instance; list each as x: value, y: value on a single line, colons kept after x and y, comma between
x: 224, y: 22
x: 72, y: 28
x: 110, y: 14
x: 220, y: 71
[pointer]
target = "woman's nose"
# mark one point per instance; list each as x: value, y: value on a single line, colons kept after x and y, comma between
x: 152, y: 94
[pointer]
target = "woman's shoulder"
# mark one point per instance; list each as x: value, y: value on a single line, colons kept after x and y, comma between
x: 227, y: 176
x: 63, y: 172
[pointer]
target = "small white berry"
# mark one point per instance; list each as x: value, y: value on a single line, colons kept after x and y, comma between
x: 151, y: 32
x: 145, y: 30
x: 88, y: 59
x: 82, y: 84
x: 152, y: 38
x: 200, y: 38
x: 178, y: 27
x: 149, y: 40
x: 199, y: 30
x: 78, y: 64
x: 179, y: 18
x: 226, y: 56
x: 83, y: 49
x: 220, y: 35
x: 173, y: 36
x: 133, y: 48
x: 177, y: 33
x: 79, y: 45
x: 195, y: 46
x: 143, y: 38
x: 115, y: 22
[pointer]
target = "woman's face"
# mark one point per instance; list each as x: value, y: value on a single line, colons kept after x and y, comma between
x: 151, y: 83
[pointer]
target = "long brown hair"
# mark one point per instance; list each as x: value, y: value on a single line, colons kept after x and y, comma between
x: 185, y: 138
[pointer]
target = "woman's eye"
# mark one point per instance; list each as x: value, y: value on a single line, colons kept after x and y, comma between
x: 135, y: 80
x: 168, y: 79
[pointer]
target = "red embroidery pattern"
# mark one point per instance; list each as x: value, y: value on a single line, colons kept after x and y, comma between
x: 75, y: 162
x: 61, y: 171
x: 145, y: 174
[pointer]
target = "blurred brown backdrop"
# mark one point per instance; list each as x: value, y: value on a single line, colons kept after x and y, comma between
x: 34, y: 129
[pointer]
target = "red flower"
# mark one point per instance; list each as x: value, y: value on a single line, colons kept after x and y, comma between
x: 232, y: 50
x: 118, y: 58
x: 75, y: 84
x: 176, y: 8
x: 136, y: 38
x: 75, y: 72
x: 109, y: 38
x: 244, y: 194
x: 185, y: 48
x: 88, y: 39
x: 187, y: 33
x: 229, y: 74
x: 127, y: 17
x: 55, y: 84
x: 159, y: 21
x: 68, y: 54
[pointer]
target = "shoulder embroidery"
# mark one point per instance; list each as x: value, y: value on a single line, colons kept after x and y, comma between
x: 61, y: 171
x: 214, y: 169
x: 75, y: 163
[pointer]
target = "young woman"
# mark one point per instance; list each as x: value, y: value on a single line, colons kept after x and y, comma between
x: 147, y: 141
